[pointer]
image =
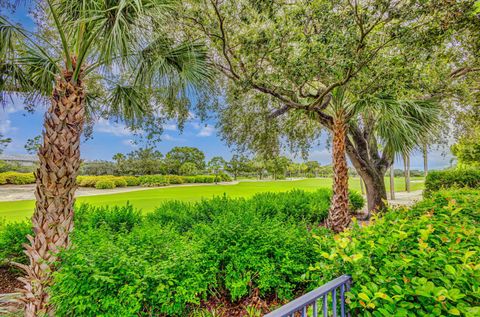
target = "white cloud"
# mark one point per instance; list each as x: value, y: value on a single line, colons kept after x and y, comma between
x: 116, y: 129
x: 130, y: 143
x: 206, y: 131
x: 168, y: 137
x: 324, y: 156
x: 170, y: 127
x: 5, y: 126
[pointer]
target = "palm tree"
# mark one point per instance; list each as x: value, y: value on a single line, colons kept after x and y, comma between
x: 116, y: 45
x: 339, y: 215
x: 398, y: 125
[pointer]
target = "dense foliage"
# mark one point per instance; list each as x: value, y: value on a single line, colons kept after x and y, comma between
x: 456, y: 178
x: 126, y: 264
x: 422, y: 261
x: 16, y: 178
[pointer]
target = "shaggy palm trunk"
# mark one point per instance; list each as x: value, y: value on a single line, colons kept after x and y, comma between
x: 406, y: 164
x: 55, y: 188
x: 425, y: 160
x: 392, y: 183
x: 339, y: 216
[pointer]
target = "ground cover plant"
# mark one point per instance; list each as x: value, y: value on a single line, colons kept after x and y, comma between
x: 148, y: 200
x: 183, y: 255
x: 422, y: 261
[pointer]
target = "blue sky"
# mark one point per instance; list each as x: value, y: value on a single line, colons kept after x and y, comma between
x: 110, y: 138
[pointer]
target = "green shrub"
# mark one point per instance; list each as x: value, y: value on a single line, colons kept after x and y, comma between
x: 87, y: 181
x: 252, y: 252
x: 105, y: 184
x: 120, y: 181
x: 421, y: 261
x: 175, y: 179
x: 132, y: 180
x: 453, y: 178
x: 153, y: 180
x: 189, y: 179
x: 150, y: 271
x: 205, y: 179
x: 12, y: 238
x: 16, y: 178
x: 117, y: 218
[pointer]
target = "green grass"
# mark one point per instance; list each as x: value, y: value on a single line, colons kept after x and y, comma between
x: 147, y: 200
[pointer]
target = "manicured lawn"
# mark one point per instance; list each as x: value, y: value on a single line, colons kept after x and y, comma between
x: 147, y: 200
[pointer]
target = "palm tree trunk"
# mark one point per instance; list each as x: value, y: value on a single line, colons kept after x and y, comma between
x: 55, y: 188
x: 406, y: 164
x: 392, y: 182
x: 425, y: 159
x: 339, y: 216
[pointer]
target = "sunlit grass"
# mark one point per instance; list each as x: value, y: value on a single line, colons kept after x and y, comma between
x: 147, y: 200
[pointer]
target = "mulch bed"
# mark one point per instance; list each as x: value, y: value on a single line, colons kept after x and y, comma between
x: 8, y: 280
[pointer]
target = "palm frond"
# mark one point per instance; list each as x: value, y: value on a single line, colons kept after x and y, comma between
x: 128, y: 103
x: 401, y: 124
x: 41, y: 69
x: 162, y: 63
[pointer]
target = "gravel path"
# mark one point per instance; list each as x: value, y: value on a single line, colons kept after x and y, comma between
x: 26, y: 192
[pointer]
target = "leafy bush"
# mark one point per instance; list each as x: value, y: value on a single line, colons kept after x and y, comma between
x: 153, y: 180
x: 175, y: 179
x: 132, y: 180
x: 117, y: 218
x: 12, y: 237
x: 120, y: 181
x: 456, y: 178
x: 150, y: 271
x: 421, y: 261
x: 16, y: 178
x: 105, y: 184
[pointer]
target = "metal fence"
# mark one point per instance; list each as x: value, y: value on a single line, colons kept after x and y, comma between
x: 317, y: 302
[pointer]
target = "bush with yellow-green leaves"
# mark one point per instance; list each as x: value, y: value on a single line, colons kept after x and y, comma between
x: 16, y: 178
x: 423, y: 261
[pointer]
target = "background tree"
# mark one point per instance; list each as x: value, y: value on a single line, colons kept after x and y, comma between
x: 216, y: 165
x: 97, y: 168
x: 237, y: 164
x: 178, y: 156
x: 283, y: 60
x: 277, y: 166
x: 467, y: 151
x: 313, y: 167
x: 188, y: 168
x: 257, y: 165
x: 75, y: 49
x: 145, y: 161
x: 32, y: 145
x: 4, y: 142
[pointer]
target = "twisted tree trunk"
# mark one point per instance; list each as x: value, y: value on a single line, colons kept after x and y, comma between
x: 55, y: 188
x: 339, y: 216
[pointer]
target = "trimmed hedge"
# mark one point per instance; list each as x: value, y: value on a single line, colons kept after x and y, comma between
x: 104, y: 184
x: 16, y: 178
x: 454, y: 178
x: 422, y: 261
x: 150, y: 180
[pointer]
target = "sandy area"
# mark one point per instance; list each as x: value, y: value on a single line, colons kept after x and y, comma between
x: 26, y: 192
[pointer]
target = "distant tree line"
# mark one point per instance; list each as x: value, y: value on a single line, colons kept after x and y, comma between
x: 191, y: 161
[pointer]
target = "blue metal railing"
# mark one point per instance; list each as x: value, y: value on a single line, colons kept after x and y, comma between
x: 316, y: 301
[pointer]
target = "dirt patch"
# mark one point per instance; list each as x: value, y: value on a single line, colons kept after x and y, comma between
x: 8, y: 280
